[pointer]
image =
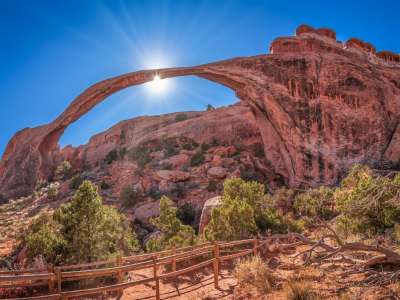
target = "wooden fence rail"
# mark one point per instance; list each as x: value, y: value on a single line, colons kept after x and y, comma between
x: 54, y: 277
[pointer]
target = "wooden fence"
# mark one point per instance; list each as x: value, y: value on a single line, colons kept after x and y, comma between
x: 54, y: 277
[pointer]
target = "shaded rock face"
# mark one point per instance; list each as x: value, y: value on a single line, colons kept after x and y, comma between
x: 320, y: 106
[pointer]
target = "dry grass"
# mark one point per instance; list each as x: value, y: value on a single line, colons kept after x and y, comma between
x: 300, y: 290
x: 254, y: 272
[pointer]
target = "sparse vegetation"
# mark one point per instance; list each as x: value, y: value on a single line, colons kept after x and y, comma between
x: 197, y: 159
x: 111, y: 156
x: 187, y: 214
x: 82, y: 230
x: 181, y: 117
x: 52, y: 191
x: 254, y: 272
x: 243, y: 212
x: 75, y: 182
x: 173, y: 231
x: 368, y: 204
x: 129, y: 196
x: 212, y: 185
x: 209, y: 107
x: 64, y: 170
x: 140, y: 154
x: 316, y: 203
x: 300, y: 290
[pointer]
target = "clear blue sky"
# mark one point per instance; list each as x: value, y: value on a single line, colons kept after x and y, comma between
x: 52, y: 50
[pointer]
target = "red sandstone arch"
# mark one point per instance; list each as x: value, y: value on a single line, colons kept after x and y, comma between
x: 308, y: 111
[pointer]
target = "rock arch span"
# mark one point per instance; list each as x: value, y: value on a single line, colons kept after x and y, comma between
x: 317, y: 105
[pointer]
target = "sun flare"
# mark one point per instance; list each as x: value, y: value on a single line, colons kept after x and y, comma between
x: 158, y: 84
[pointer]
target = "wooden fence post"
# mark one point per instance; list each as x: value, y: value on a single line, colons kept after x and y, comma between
x: 156, y: 278
x: 173, y: 264
x: 255, y: 246
x: 119, y: 275
x: 58, y: 278
x: 216, y: 265
x: 50, y: 270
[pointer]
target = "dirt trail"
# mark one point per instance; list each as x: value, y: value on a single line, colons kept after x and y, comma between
x: 194, y: 286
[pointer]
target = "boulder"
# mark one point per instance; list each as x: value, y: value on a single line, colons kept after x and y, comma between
x: 217, y: 172
x: 206, y: 212
x: 172, y: 175
x: 146, y: 211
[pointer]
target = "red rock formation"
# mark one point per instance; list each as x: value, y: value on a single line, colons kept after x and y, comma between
x: 319, y: 108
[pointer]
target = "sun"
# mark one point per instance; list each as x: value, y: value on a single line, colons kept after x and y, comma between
x: 158, y: 84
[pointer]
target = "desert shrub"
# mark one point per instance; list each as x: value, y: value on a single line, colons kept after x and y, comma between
x: 52, y: 191
x: 154, y: 192
x: 173, y: 231
x: 186, y: 213
x: 212, y: 185
x: 368, y: 204
x: 75, y: 182
x: 300, y: 290
x: 82, y: 230
x: 111, y: 156
x: 283, y: 199
x: 268, y: 219
x: 129, y: 196
x: 254, y: 272
x: 169, y: 146
x: 209, y: 107
x: 188, y: 146
x: 251, y: 175
x: 64, y: 170
x: 316, y: 203
x: 197, y: 159
x: 242, y: 213
x: 166, y: 166
x: 181, y: 117
x: 42, y: 183
x: 93, y: 231
x: 140, y: 154
x: 214, y: 142
x: 204, y: 147
x: 104, y: 185
x: 259, y: 150
x: 43, y: 240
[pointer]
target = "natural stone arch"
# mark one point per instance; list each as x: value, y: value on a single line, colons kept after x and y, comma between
x: 309, y: 111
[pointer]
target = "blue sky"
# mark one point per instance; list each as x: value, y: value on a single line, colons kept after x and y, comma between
x: 52, y: 50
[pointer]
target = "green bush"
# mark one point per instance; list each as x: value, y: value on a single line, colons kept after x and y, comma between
x: 209, y: 107
x: 173, y: 231
x: 204, y: 147
x: 75, y: 182
x: 111, y: 156
x: 104, y: 185
x: 169, y: 146
x: 44, y: 241
x: 188, y: 146
x: 283, y: 199
x: 181, y: 117
x: 197, y: 159
x: 82, y: 230
x: 52, y: 191
x: 166, y: 166
x: 187, y: 214
x: 129, y: 196
x: 64, y: 170
x: 316, y: 203
x: 368, y: 204
x: 244, y: 211
x: 140, y: 154
x: 212, y: 185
